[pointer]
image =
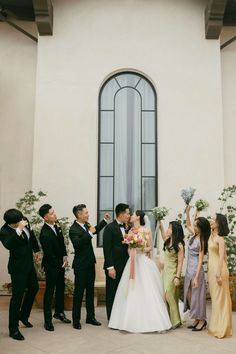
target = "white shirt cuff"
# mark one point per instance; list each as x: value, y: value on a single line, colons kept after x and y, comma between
x: 110, y: 268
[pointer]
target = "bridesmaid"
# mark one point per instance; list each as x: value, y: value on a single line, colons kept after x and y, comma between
x: 174, y: 256
x: 194, y: 281
x: 218, y: 278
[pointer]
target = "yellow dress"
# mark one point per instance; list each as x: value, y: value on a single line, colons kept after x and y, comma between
x: 171, y: 291
x: 221, y: 315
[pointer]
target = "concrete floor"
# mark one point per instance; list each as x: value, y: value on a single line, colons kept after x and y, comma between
x: 101, y: 340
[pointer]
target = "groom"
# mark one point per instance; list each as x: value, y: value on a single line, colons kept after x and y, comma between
x: 115, y: 253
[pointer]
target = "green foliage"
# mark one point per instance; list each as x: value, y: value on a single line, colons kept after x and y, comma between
x: 228, y: 208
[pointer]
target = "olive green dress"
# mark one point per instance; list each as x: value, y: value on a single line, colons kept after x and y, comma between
x: 171, y: 291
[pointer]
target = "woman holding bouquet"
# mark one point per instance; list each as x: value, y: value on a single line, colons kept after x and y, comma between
x: 139, y: 305
x: 174, y: 256
x: 218, y: 277
x: 194, y: 281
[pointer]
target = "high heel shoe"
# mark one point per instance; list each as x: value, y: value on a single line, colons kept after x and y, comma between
x: 194, y: 325
x: 200, y: 329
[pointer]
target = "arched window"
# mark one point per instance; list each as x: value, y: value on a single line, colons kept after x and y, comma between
x: 127, y: 161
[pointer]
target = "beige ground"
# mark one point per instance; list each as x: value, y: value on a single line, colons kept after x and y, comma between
x: 101, y: 340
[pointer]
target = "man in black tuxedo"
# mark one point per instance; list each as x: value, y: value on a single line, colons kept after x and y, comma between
x: 17, y: 236
x: 54, y: 262
x: 115, y: 252
x: 81, y: 234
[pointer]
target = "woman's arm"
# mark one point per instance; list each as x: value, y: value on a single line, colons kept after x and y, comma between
x: 149, y: 244
x: 221, y: 243
x: 180, y: 265
x: 199, y: 266
x: 163, y: 233
x: 188, y: 221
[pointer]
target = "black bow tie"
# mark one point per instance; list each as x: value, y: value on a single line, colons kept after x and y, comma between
x: 122, y: 225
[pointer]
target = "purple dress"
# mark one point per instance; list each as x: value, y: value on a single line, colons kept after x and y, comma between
x: 198, y: 297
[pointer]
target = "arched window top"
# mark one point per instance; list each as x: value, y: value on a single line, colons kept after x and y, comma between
x: 126, y: 80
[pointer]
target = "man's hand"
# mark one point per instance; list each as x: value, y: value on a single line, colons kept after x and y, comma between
x: 66, y: 262
x: 37, y: 257
x: 92, y: 230
x: 22, y: 224
x: 112, y: 273
x: 106, y: 216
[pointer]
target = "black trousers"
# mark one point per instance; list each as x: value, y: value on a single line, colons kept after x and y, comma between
x: 111, y: 287
x: 84, y: 280
x: 24, y: 288
x: 55, y: 280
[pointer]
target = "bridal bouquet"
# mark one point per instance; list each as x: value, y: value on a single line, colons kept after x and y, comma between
x: 187, y: 195
x: 160, y: 213
x: 136, y: 238
x: 201, y: 204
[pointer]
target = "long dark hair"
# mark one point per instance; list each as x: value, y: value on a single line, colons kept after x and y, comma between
x: 223, y: 226
x: 205, y: 231
x: 177, y: 237
x: 141, y: 214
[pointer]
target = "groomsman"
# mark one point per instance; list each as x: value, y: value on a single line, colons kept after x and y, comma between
x: 17, y: 236
x: 81, y: 234
x: 115, y: 252
x: 54, y: 262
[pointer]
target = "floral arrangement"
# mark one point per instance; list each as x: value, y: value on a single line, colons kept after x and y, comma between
x: 201, y: 204
x: 160, y: 213
x: 187, y: 195
x: 136, y: 238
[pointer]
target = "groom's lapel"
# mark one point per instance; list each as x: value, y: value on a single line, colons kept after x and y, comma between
x: 118, y: 229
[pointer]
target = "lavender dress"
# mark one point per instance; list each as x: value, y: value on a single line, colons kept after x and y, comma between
x: 198, y: 298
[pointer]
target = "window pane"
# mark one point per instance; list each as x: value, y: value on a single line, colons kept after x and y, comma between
x: 148, y: 193
x: 148, y: 97
x: 106, y: 160
x: 148, y: 127
x: 148, y: 160
x: 106, y: 193
x: 128, y: 80
x: 108, y: 93
x: 106, y: 127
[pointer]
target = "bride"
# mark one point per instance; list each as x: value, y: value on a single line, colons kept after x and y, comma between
x: 139, y: 304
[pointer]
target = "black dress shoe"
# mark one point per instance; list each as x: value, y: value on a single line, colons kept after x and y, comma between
x: 26, y: 323
x: 93, y: 321
x: 49, y: 326
x: 77, y: 326
x: 16, y: 335
x: 61, y: 317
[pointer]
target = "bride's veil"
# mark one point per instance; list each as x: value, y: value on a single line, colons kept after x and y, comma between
x: 148, y: 226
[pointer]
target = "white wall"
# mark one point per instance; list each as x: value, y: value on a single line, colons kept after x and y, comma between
x: 17, y: 98
x: 228, y: 59
x: 165, y: 40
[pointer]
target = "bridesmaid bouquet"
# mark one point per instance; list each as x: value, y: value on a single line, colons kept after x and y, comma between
x: 135, y: 238
x: 159, y: 214
x: 201, y: 205
x: 187, y: 195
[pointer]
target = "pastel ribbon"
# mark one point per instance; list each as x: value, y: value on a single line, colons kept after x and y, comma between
x: 132, y: 263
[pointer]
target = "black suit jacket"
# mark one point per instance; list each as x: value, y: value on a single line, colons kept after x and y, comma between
x: 115, y: 252
x: 21, y: 251
x: 53, y: 246
x: 82, y: 243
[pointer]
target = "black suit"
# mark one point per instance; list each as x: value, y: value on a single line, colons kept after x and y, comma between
x: 115, y: 255
x: 84, y: 269
x: 54, y: 250
x: 22, y: 271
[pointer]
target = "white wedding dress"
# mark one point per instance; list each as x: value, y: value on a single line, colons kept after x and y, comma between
x: 139, y: 304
